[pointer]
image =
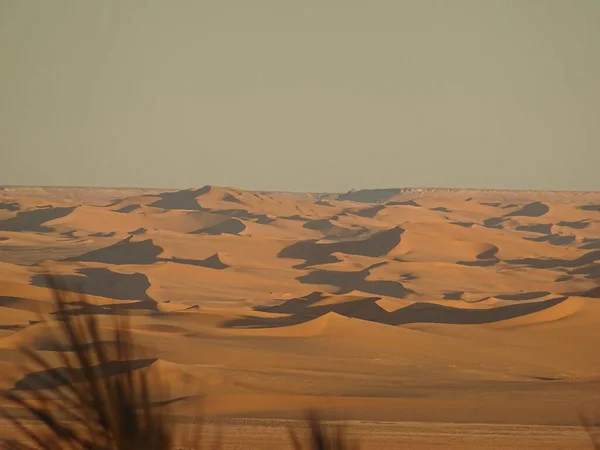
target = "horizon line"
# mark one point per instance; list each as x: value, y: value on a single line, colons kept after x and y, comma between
x: 399, y: 189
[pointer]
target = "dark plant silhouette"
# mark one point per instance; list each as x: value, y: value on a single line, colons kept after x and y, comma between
x: 101, y: 396
x: 591, y: 422
x: 86, y: 406
x: 323, y: 437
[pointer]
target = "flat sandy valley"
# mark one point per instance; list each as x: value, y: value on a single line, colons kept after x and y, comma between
x: 428, y: 318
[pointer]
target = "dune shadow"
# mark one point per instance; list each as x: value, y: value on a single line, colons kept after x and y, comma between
x: 494, y: 222
x: 313, y: 252
x: 231, y: 199
x: 101, y: 282
x: 356, y: 281
x: 404, y: 203
x: 563, y: 278
x: 293, y: 305
x: 463, y: 224
x: 101, y: 235
x: 554, y: 239
x: 212, y: 262
x: 318, y: 224
x: 123, y: 252
x: 237, y: 213
x: 553, y: 263
x: 408, y: 277
x: 370, y: 212
x: 578, y: 225
x: 302, y: 310
x: 486, y: 258
x: 434, y: 313
x: 9, y: 301
x: 522, y: 296
x: 590, y: 208
x: 263, y: 219
x: 542, y: 228
x: 592, y: 293
x: 323, y: 203
x: 63, y: 376
x: 489, y: 253
x: 369, y: 195
x: 590, y: 244
x: 10, y: 206
x: 453, y: 295
x: 182, y: 200
x: 230, y: 226
x: 535, y: 209
x: 441, y: 209
x: 240, y: 213
x: 345, y: 234
x: 482, y: 263
x: 296, y: 217
x: 590, y: 271
x: 32, y: 220
x: 127, y: 209
x: 84, y: 308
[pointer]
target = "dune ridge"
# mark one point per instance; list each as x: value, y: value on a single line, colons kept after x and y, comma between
x: 412, y: 297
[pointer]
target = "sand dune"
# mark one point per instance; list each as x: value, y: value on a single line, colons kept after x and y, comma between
x: 313, y: 252
x: 123, y: 252
x: 401, y: 303
x: 33, y: 220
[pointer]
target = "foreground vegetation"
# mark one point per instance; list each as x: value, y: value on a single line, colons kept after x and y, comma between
x: 100, y: 400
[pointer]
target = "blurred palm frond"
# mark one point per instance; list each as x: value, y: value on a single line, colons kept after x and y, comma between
x: 322, y: 436
x: 590, y: 419
x: 98, y: 399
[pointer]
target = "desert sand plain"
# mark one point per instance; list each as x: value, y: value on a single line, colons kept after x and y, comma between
x: 429, y: 317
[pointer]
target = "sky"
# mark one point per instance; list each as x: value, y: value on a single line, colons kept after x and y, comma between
x: 312, y: 95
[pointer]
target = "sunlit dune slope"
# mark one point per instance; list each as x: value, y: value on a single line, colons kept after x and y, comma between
x: 391, y: 304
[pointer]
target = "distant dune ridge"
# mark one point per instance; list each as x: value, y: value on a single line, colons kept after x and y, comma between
x: 387, y: 304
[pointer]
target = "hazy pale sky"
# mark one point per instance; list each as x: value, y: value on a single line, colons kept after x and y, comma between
x: 311, y: 95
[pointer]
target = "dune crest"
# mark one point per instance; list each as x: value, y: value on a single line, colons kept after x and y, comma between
x: 408, y: 304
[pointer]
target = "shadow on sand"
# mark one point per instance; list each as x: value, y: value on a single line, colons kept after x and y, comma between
x: 141, y: 252
x: 102, y: 282
x: 123, y: 252
x: 553, y: 263
x: 590, y: 244
x: 578, y: 225
x: 302, y: 310
x: 10, y: 206
x: 228, y: 226
x: 63, y: 376
x: 313, y: 252
x: 369, y: 195
x: 590, y: 208
x: 185, y: 199
x: 542, y: 228
x: 33, y: 220
x: 554, y: 239
x: 484, y: 259
x: 356, y: 281
x: 535, y: 209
